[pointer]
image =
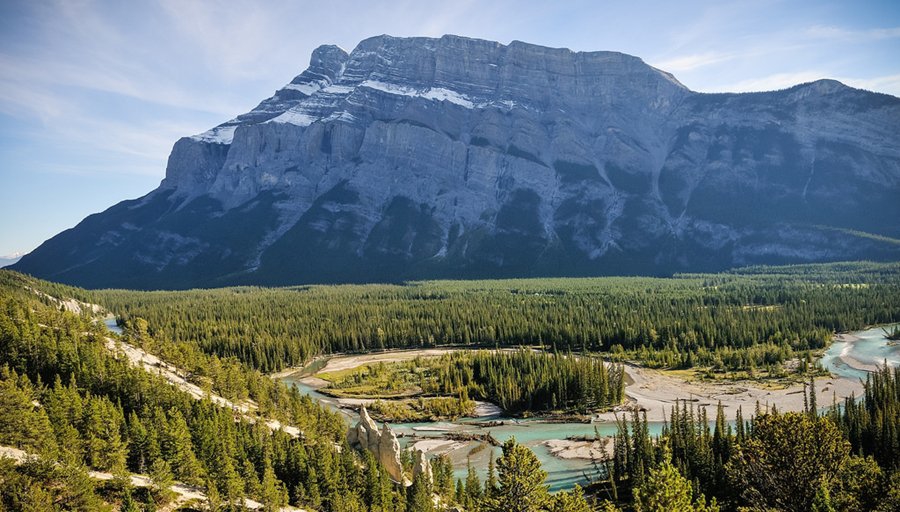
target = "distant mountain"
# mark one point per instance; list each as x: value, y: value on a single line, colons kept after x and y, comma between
x: 9, y: 259
x: 454, y: 157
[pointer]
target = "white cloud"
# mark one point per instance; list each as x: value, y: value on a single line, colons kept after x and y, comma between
x: 889, y: 84
x: 690, y: 62
x: 843, y: 34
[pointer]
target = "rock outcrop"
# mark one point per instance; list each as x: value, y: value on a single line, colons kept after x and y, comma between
x: 422, y: 467
x: 389, y: 453
x: 455, y: 157
x: 382, y: 444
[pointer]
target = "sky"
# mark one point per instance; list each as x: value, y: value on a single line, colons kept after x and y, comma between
x: 93, y: 94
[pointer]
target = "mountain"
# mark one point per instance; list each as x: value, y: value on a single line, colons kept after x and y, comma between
x: 453, y: 157
x: 9, y: 259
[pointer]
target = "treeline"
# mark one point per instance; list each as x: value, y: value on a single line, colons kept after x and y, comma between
x: 65, y: 397
x: 760, y: 317
x: 846, y: 459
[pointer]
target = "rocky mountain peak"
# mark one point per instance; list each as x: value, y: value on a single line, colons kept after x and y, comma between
x: 458, y: 157
x: 328, y: 60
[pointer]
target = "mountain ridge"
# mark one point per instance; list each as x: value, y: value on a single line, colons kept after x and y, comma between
x: 446, y: 157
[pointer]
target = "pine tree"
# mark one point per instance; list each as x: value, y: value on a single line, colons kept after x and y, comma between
x: 138, y: 444
x: 22, y: 425
x: 419, y: 496
x: 572, y: 501
x: 813, y: 408
x: 179, y: 451
x: 666, y: 490
x: 272, y: 492
x: 473, y: 486
x: 128, y: 503
x: 104, y: 448
x: 786, y: 459
x: 77, y: 489
x: 161, y: 477
x: 521, y: 480
x: 490, y: 485
x: 822, y: 501
x: 252, y: 486
x: 213, y: 498
x: 442, y: 472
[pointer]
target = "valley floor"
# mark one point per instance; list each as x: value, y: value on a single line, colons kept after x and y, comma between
x: 653, y: 391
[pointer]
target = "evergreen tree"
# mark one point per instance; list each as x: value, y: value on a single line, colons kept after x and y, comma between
x: 272, y: 492
x: 419, y: 496
x: 161, y: 477
x: 104, y: 448
x: 128, y: 503
x: 473, y: 486
x: 571, y: 501
x: 138, y: 444
x: 442, y: 474
x: 490, y: 485
x: 213, y: 498
x: 178, y: 449
x: 787, y: 459
x: 822, y: 500
x: 252, y: 486
x: 22, y: 424
x: 521, y: 480
x: 666, y: 490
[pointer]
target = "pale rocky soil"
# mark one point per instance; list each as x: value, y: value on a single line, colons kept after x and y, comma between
x: 648, y: 390
x: 152, y: 364
x: 651, y: 390
x: 656, y: 393
x: 568, y: 449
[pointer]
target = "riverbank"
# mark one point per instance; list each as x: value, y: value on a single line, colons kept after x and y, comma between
x: 482, y: 409
x: 846, y: 355
x: 566, y: 450
x: 652, y: 391
x: 656, y: 393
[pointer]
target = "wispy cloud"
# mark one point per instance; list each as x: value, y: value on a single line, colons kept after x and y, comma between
x: 694, y: 61
x: 832, y: 32
x: 889, y: 84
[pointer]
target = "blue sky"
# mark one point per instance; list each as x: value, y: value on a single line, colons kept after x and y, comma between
x: 93, y: 94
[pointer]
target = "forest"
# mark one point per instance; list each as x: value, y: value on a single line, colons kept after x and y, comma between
x: 749, y: 318
x: 68, y: 399
x: 77, y: 408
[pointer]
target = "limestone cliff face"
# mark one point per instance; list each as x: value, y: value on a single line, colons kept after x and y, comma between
x: 383, y: 444
x: 422, y: 467
x: 455, y: 157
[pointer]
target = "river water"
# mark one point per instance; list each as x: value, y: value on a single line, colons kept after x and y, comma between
x: 110, y: 323
x: 868, y: 349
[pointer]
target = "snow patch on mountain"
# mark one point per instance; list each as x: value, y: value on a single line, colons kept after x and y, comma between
x: 295, y: 117
x: 217, y: 135
x: 432, y: 93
